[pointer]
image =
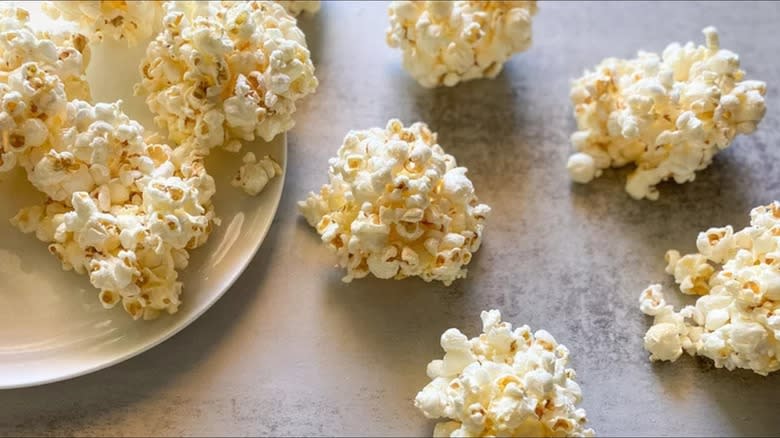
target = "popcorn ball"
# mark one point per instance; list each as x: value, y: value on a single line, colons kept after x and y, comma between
x: 32, y: 102
x: 58, y: 53
x: 254, y: 175
x: 503, y: 383
x: 397, y: 206
x: 736, y: 319
x: 225, y: 72
x: 446, y: 42
x: 667, y: 115
x: 39, y: 73
x: 297, y: 7
x: 121, y: 210
x: 89, y: 153
x: 131, y: 21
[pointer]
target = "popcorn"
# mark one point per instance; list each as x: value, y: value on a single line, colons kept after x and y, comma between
x: 444, y: 43
x: 692, y: 272
x: 582, y: 167
x: 89, y: 153
x: 296, y: 7
x: 224, y: 72
x: 31, y: 103
x: 62, y: 54
x: 39, y: 72
x: 668, y: 115
x: 131, y: 21
x: 503, y: 383
x: 122, y: 210
x: 254, y: 175
x: 397, y: 206
x: 736, y: 320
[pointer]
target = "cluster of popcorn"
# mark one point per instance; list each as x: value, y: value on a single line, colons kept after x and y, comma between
x: 397, y: 206
x: 39, y: 73
x: 224, y: 72
x: 668, y: 115
x: 118, y: 209
x: 121, y: 210
x: 503, y: 383
x: 59, y: 53
x: 446, y: 42
x: 88, y: 154
x: 31, y: 104
x: 297, y: 7
x: 736, y: 320
x: 131, y: 21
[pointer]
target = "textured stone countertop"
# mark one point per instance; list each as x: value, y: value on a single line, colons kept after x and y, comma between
x: 292, y: 350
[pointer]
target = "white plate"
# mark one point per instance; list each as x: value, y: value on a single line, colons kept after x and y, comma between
x: 52, y: 326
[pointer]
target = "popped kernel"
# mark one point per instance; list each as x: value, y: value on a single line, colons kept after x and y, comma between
x: 253, y: 175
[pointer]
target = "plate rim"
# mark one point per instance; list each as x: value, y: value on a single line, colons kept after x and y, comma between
x: 177, y: 328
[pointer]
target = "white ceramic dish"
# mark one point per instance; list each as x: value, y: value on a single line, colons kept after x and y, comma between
x: 52, y: 326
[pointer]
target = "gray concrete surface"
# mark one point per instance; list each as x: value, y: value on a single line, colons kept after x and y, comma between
x: 290, y: 350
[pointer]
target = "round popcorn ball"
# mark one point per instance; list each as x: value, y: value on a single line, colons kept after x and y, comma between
x: 667, y: 115
x: 736, y: 319
x: 223, y: 72
x: 297, y: 7
x: 131, y: 21
x: 121, y: 210
x: 61, y: 53
x: 446, y: 42
x: 122, y: 258
x: 503, y: 383
x: 132, y: 252
x: 397, y: 206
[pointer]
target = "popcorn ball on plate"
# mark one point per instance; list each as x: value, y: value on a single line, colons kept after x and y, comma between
x: 446, y: 42
x: 131, y: 21
x: 667, y: 115
x: 223, y: 72
x: 39, y: 73
x: 736, y: 320
x: 297, y: 7
x: 503, y: 383
x: 121, y: 210
x: 59, y: 53
x: 90, y: 152
x: 397, y: 206
x: 32, y: 103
